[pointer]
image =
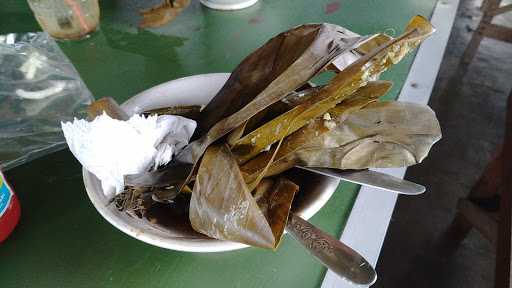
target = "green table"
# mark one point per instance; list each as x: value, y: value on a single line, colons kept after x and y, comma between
x: 62, y: 241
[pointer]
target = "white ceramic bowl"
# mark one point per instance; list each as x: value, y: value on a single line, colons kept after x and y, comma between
x: 228, y: 4
x: 314, y: 192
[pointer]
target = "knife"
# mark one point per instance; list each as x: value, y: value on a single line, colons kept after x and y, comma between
x: 371, y: 178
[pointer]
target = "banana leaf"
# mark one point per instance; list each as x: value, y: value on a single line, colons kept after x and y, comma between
x: 372, y: 44
x: 306, y: 91
x: 222, y: 207
x: 288, y: 102
x: 309, y: 135
x: 191, y: 112
x: 279, y: 67
x: 162, y: 13
x: 365, y: 47
x: 275, y: 198
x: 382, y: 135
x: 106, y: 105
x: 343, y: 85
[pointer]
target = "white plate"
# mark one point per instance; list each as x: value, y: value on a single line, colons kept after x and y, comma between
x: 194, y: 90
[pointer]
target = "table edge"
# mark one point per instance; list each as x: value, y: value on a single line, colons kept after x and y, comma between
x: 372, y: 207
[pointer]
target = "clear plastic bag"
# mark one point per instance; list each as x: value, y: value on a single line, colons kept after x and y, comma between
x: 39, y: 88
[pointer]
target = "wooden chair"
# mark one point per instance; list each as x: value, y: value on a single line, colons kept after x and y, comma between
x: 486, y: 28
x: 488, y: 207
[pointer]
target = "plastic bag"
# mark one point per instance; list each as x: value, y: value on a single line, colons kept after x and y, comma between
x: 39, y: 88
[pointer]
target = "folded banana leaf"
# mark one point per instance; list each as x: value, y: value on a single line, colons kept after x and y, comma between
x: 222, y: 207
x: 365, y: 47
x: 343, y: 85
x: 274, y: 198
x: 191, y: 112
x: 162, y: 13
x: 288, y: 102
x: 279, y: 67
x: 307, y: 90
x: 310, y: 135
x: 373, y: 43
x: 106, y: 105
x: 382, y: 135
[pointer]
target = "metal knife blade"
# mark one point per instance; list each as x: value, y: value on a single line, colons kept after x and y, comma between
x: 372, y: 179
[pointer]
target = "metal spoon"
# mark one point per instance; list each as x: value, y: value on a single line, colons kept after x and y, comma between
x: 335, y: 255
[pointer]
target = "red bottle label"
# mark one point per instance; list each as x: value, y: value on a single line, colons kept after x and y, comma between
x: 5, y: 196
x: 9, y: 209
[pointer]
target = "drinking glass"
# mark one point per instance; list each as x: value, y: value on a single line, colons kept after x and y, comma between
x: 66, y: 19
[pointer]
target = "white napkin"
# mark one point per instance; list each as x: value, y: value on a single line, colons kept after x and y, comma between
x: 111, y: 148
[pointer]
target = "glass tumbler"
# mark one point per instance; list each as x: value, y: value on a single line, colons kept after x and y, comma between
x: 66, y: 19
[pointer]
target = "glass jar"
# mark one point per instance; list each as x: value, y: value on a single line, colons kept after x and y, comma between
x: 66, y: 19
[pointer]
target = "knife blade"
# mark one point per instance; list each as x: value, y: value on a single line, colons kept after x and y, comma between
x: 372, y: 179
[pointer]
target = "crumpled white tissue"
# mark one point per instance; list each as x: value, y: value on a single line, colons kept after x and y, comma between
x: 111, y: 148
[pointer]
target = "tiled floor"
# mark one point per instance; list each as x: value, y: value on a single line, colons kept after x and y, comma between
x: 470, y: 106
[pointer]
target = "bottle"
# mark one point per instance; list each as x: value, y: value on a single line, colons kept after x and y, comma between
x: 9, y: 209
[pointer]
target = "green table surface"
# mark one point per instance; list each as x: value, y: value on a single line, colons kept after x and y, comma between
x: 62, y: 241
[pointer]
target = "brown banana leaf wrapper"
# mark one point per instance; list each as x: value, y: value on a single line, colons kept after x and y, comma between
x: 106, y: 105
x: 191, y: 112
x: 274, y: 198
x: 382, y: 135
x: 279, y: 67
x: 163, y: 13
x: 341, y: 86
x: 288, y: 102
x: 311, y: 134
x: 223, y: 208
